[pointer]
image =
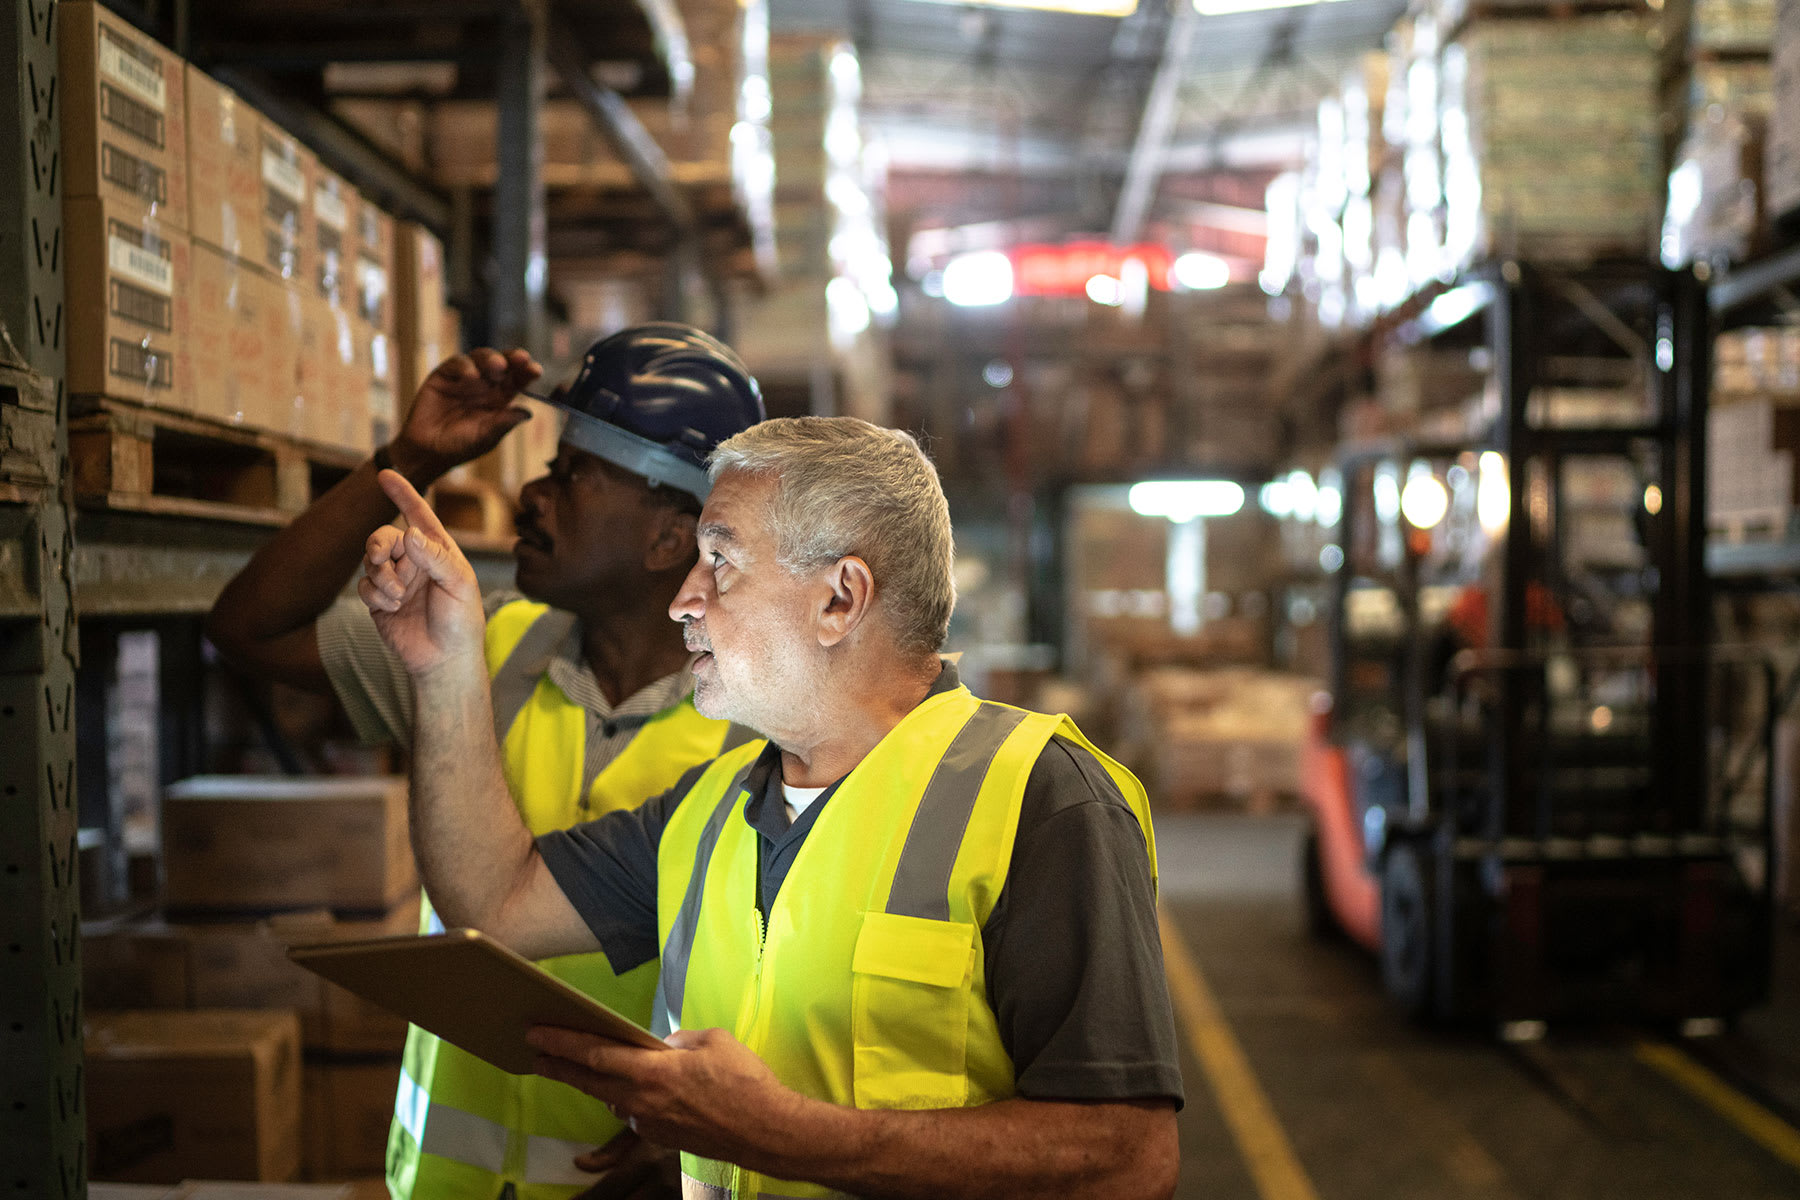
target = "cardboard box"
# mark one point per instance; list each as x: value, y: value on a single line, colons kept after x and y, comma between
x: 175, y: 1095
x: 348, y: 1108
x: 232, y: 321
x: 262, y: 843
x: 123, y: 114
x: 288, y: 237
x: 284, y: 334
x: 332, y: 405
x: 244, y: 964
x: 224, y: 139
x: 135, y: 967
x: 126, y: 288
x: 375, y: 266
x: 335, y: 207
x: 376, y: 363
x: 418, y: 307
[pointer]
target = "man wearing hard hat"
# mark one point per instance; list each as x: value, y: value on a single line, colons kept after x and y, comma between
x: 591, y: 686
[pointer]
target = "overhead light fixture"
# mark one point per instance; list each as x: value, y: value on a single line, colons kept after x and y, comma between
x: 1185, y: 499
x: 1088, y: 8
x: 978, y: 280
x: 1199, y: 272
x: 1104, y: 289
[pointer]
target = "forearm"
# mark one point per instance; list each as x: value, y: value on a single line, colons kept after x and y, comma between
x: 297, y: 574
x: 1011, y: 1148
x: 472, y: 848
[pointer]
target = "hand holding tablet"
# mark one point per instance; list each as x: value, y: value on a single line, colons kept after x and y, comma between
x: 469, y: 990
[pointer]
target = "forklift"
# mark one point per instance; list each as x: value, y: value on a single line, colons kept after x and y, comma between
x: 1539, y: 792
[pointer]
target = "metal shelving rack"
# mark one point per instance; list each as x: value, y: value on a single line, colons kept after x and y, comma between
x: 42, y: 1113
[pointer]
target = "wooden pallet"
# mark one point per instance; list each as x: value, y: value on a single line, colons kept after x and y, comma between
x: 127, y: 456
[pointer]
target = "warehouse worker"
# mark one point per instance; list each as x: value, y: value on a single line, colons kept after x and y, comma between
x: 909, y: 945
x: 590, y: 682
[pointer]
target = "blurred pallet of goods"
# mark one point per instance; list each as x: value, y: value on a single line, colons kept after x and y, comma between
x: 1719, y: 204
x: 1488, y: 130
x: 1753, y: 433
x: 253, y: 866
x: 231, y: 303
x: 1229, y: 738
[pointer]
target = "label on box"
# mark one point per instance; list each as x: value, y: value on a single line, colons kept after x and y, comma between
x: 143, y: 267
x: 122, y: 64
x: 284, y: 176
x: 331, y: 210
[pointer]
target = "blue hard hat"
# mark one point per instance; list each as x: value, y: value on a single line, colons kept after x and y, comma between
x: 655, y: 399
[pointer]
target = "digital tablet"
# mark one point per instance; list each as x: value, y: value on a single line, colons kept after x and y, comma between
x: 469, y: 990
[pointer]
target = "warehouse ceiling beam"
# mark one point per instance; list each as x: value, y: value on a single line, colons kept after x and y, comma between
x: 346, y: 152
x: 517, y: 316
x: 1148, y: 152
x: 620, y: 126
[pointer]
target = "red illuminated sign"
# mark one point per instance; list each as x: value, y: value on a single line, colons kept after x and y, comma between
x: 1044, y: 270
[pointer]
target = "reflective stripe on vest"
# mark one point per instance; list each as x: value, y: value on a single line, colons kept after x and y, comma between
x: 672, y: 983
x: 478, y: 1142
x: 462, y: 1128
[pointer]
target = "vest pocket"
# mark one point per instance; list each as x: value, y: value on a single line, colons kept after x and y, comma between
x: 909, y: 1011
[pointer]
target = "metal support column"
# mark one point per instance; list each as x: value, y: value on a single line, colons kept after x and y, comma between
x: 42, y: 1113
x: 521, y: 262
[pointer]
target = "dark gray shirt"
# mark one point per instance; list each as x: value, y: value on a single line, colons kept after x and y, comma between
x: 1073, y: 956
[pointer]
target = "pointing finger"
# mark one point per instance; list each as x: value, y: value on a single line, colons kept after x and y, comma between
x: 412, y: 506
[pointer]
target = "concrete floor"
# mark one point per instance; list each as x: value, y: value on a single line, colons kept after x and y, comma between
x: 1360, y: 1106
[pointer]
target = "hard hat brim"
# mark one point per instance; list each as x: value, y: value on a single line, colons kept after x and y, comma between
x: 639, y: 455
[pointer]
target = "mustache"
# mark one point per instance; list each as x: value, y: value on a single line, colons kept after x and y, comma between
x: 693, y: 636
x: 526, y: 526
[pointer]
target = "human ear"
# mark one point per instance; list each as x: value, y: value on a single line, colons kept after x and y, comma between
x: 671, y: 544
x: 852, y: 592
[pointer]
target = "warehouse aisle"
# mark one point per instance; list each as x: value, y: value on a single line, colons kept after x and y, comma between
x: 1303, y: 1084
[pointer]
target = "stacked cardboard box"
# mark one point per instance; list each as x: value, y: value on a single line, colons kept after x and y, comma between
x: 1551, y: 138
x: 254, y: 865
x: 372, y: 325
x: 176, y: 1095
x: 418, y: 297
x: 207, y: 272
x: 124, y: 167
x: 1753, y: 432
x: 1229, y: 736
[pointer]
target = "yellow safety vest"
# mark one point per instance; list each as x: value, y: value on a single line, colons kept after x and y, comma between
x: 868, y: 988
x: 462, y: 1129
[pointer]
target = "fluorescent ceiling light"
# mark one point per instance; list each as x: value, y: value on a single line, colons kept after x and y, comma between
x: 1090, y: 8
x: 1104, y: 289
x: 979, y: 279
x: 1220, y: 8
x: 1198, y: 272
x: 1184, y: 499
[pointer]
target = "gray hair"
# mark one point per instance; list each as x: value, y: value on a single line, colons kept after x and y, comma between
x: 844, y: 486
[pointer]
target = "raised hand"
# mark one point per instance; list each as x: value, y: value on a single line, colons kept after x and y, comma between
x: 420, y: 589
x: 464, y: 408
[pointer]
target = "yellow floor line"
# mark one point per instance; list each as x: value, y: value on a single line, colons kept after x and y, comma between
x: 1756, y: 1122
x: 1253, y: 1124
